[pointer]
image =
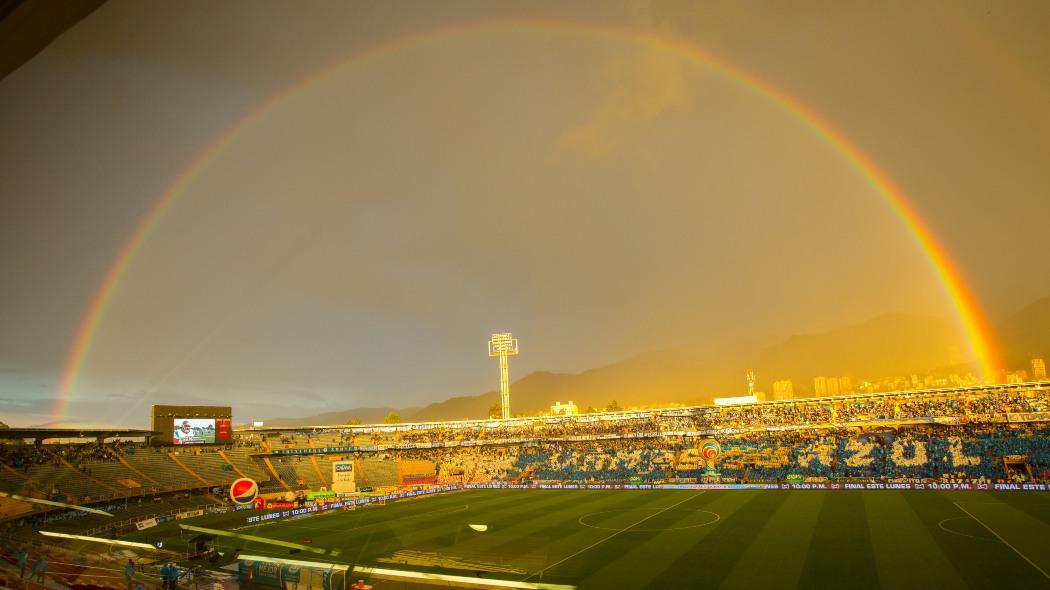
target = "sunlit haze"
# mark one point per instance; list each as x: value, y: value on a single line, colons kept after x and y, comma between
x: 303, y: 207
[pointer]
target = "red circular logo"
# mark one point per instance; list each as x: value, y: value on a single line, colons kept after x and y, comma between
x: 710, y: 449
x: 244, y: 491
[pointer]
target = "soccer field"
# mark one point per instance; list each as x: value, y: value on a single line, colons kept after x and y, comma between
x: 697, y: 539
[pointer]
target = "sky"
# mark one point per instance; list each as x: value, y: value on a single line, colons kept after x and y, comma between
x: 414, y: 176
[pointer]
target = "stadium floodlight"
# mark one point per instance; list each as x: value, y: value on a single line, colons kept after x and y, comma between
x: 503, y: 344
x: 146, y: 546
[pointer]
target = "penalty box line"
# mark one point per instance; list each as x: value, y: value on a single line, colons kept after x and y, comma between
x: 1004, y: 541
x: 604, y: 539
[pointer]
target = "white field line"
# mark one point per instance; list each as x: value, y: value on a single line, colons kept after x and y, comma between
x: 604, y: 539
x: 1005, y: 542
x: 948, y: 530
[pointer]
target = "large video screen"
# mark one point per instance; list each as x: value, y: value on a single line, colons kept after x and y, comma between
x: 191, y: 425
x: 194, y: 431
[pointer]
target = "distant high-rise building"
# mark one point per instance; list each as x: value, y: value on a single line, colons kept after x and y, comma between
x: 820, y: 386
x: 783, y: 389
x: 1014, y: 378
x: 845, y: 384
x: 833, y: 386
x: 1038, y: 369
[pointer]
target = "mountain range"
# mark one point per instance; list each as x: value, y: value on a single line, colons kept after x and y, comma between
x: 888, y: 345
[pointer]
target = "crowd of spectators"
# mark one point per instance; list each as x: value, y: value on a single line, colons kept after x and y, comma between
x: 24, y: 456
x: 970, y: 452
x: 965, y: 406
x: 893, y: 435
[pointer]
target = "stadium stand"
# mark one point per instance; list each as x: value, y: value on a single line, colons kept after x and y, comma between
x: 240, y: 458
x: 995, y: 433
x: 379, y: 471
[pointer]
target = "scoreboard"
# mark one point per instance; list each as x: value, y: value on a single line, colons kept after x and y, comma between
x: 191, y: 425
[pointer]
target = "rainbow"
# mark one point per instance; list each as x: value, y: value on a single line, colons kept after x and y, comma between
x: 966, y: 308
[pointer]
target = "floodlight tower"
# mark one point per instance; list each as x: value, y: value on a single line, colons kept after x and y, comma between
x: 502, y: 344
x: 751, y: 382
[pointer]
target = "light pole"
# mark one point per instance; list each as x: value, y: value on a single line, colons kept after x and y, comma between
x: 503, y: 344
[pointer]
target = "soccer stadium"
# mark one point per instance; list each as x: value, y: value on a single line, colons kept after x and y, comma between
x: 940, y: 488
x: 779, y: 271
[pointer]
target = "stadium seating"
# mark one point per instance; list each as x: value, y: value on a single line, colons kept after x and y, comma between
x: 241, y: 460
x: 989, y: 434
x: 378, y: 472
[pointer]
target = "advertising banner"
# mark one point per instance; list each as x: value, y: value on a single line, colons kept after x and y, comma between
x: 1017, y: 487
x: 1029, y: 417
x: 222, y: 428
x: 343, y: 477
x: 260, y: 573
x: 145, y: 524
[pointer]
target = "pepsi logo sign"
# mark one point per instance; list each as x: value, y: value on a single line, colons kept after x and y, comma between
x: 244, y: 490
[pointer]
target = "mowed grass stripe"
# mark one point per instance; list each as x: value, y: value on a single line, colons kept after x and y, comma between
x: 906, y: 554
x: 1028, y: 538
x: 613, y: 551
x: 775, y: 558
x: 613, y: 547
x: 764, y: 539
x: 362, y: 517
x: 366, y: 532
x: 548, y: 533
x: 436, y: 530
x: 983, y: 562
x: 506, y: 529
x: 1034, y: 504
x: 710, y: 555
x: 633, y: 561
x: 839, y: 553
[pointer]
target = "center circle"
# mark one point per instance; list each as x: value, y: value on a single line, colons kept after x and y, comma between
x: 583, y: 521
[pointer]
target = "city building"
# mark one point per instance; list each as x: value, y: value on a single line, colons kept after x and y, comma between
x: 1038, y: 369
x: 845, y: 384
x: 820, y: 386
x: 560, y: 409
x: 783, y: 389
x: 832, y: 386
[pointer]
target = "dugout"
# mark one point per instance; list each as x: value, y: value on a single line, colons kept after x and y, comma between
x: 259, y: 571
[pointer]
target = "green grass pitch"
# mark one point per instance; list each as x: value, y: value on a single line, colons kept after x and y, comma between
x: 692, y: 539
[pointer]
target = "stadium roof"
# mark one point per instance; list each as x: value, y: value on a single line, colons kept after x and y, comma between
x: 46, y: 433
x: 28, y: 26
x: 966, y: 389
